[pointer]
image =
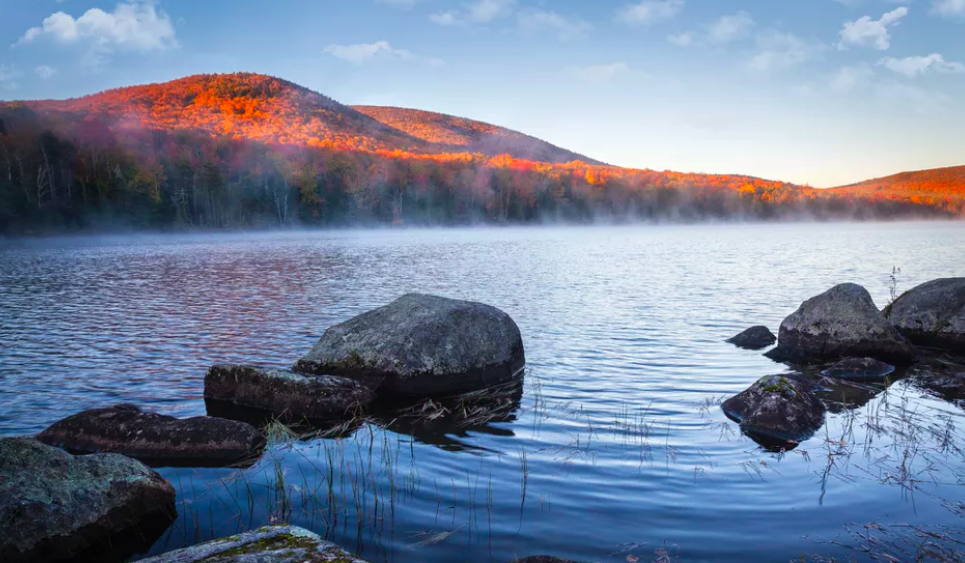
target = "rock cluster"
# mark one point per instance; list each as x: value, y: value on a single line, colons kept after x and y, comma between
x: 418, y: 346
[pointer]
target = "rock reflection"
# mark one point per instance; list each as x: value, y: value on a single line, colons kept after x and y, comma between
x: 446, y: 423
x: 133, y: 542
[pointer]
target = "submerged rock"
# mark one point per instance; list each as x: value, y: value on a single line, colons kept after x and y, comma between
x: 754, y: 338
x: 932, y: 314
x: 859, y: 368
x: 839, y: 323
x: 273, y: 544
x: 155, y: 438
x: 287, y: 395
x: 543, y: 559
x: 54, y: 505
x: 777, y: 406
x: 422, y: 345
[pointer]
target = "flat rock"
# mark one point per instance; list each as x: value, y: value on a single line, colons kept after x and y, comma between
x: 54, y: 505
x: 859, y: 368
x: 777, y: 406
x: 841, y: 322
x: 932, y: 314
x: 273, y: 544
x: 285, y: 394
x: 422, y: 346
x: 156, y: 438
x: 754, y: 338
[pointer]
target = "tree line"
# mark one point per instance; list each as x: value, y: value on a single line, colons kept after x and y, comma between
x: 96, y: 178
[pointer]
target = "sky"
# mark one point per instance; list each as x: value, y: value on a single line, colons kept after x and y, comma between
x: 816, y: 92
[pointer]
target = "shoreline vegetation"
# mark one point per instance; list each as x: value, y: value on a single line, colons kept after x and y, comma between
x: 252, y: 152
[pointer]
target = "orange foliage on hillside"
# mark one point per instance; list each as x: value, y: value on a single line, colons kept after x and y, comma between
x: 450, y: 133
x: 216, y: 151
x: 922, y: 187
x: 269, y: 110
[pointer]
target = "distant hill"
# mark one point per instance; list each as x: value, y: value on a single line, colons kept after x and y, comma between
x: 456, y: 133
x: 267, y: 109
x: 919, y: 185
x: 252, y: 151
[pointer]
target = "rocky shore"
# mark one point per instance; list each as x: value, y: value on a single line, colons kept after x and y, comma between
x: 843, y: 335
x: 87, y: 479
x: 85, y: 482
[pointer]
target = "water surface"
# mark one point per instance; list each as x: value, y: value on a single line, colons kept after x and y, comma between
x: 616, y: 447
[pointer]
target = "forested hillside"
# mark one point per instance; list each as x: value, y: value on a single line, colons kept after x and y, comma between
x: 251, y: 151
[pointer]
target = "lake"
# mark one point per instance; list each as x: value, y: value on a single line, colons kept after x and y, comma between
x: 616, y: 449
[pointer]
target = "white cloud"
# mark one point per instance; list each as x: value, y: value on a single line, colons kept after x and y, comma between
x: 362, y: 53
x: 650, y: 12
x: 598, y: 73
x: 916, y: 66
x: 730, y: 28
x: 45, y: 72
x: 685, y: 39
x: 563, y: 27
x: 779, y: 50
x: 949, y: 8
x: 136, y: 25
x: 866, y: 32
x: 478, y: 12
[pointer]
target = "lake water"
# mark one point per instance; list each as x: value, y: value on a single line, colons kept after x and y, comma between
x: 617, y: 446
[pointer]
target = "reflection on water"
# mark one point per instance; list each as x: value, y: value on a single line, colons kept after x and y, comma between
x: 614, y: 446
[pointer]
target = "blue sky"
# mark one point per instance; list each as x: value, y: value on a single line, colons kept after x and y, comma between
x: 823, y: 92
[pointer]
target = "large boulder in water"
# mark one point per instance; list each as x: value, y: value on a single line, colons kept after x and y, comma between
x: 54, y: 505
x: 422, y: 345
x: 932, y: 314
x: 286, y: 395
x: 754, y: 338
x: 271, y: 544
x: 780, y: 407
x: 155, y: 438
x: 841, y: 322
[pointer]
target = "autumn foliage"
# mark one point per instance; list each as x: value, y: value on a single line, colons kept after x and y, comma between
x: 246, y: 150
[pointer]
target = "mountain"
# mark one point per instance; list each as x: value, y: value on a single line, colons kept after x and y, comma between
x: 261, y: 108
x: 456, y: 133
x: 921, y: 185
x: 252, y: 151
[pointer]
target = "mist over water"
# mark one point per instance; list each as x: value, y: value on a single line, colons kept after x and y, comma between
x: 616, y: 445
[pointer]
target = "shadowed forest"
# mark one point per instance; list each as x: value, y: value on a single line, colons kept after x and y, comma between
x: 247, y: 151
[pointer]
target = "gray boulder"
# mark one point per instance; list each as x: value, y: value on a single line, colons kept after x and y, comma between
x: 754, y: 338
x: 841, y: 322
x: 154, y: 438
x: 272, y: 544
x: 932, y: 314
x: 781, y: 407
x: 54, y: 505
x: 859, y: 368
x: 286, y: 395
x: 422, y: 345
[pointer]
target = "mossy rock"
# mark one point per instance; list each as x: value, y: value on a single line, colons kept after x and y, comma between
x: 54, y: 505
x: 777, y: 407
x: 271, y: 544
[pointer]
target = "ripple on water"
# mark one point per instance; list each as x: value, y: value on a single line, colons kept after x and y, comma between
x: 617, y: 447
